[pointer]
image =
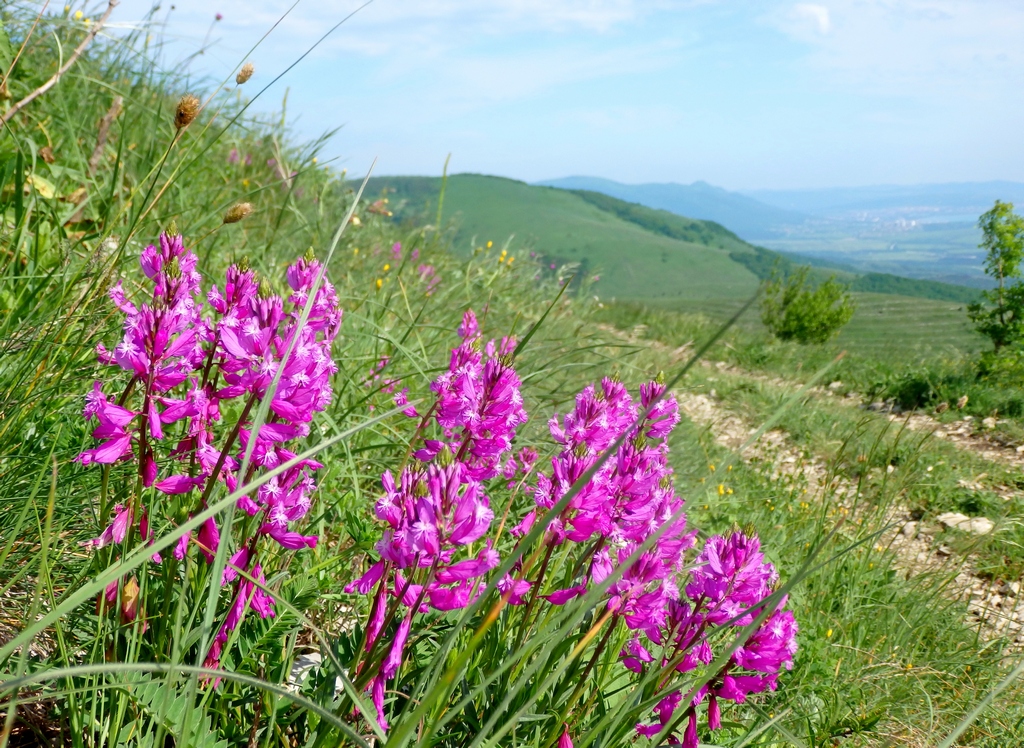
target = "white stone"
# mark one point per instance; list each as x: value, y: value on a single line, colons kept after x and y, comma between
x: 910, y: 529
x: 973, y: 525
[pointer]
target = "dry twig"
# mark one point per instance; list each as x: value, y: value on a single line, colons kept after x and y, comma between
x: 90, y: 35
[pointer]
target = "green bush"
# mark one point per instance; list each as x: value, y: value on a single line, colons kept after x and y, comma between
x: 792, y: 310
x: 1000, y: 314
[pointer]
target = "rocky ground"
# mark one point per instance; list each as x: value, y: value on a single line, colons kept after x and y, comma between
x: 996, y: 606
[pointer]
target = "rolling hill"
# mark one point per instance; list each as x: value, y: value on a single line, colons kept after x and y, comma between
x: 638, y: 252
x: 563, y: 227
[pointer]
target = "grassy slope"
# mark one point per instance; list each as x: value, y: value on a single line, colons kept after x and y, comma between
x: 564, y: 228
x: 908, y: 329
x: 656, y: 257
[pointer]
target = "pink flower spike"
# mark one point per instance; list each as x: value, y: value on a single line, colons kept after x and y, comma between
x: 178, y: 484
x: 714, y: 713
x: 122, y: 521
x: 181, y: 548
x: 291, y: 540
x: 377, y: 696
x: 149, y: 470
x: 367, y: 582
x: 690, y: 736
x: 389, y: 668
x: 108, y: 452
x: 208, y: 539
x: 239, y: 561
x: 561, y: 597
x: 469, y: 329
x: 565, y: 741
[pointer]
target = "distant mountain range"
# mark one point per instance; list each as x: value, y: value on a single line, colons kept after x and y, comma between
x: 920, y: 231
x: 950, y: 202
x: 745, y: 216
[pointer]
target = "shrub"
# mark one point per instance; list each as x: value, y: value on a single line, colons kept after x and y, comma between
x: 792, y: 310
x: 1000, y: 314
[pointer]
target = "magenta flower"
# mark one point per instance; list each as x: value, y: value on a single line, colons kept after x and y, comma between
x: 183, y: 364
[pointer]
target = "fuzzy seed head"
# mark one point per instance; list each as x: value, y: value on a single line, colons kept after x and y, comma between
x: 187, y: 110
x: 238, y: 212
x: 245, y: 73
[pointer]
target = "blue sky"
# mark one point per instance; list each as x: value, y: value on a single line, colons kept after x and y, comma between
x: 745, y: 94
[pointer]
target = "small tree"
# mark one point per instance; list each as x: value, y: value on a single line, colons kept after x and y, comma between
x: 792, y: 310
x: 1001, y: 315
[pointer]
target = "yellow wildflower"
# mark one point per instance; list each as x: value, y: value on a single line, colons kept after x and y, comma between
x: 490, y: 244
x: 355, y: 250
x: 387, y: 267
x: 78, y: 15
x: 828, y: 634
x: 721, y: 489
x: 379, y: 283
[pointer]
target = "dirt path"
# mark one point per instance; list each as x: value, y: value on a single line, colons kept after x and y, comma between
x: 996, y: 607
x: 966, y: 433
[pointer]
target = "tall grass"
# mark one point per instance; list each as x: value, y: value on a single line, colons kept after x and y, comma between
x: 881, y: 658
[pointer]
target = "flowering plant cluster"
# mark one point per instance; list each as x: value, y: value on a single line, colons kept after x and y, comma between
x: 196, y: 371
x: 610, y: 505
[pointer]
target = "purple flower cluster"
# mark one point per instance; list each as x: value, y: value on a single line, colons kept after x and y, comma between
x: 626, y: 521
x: 184, y: 366
x: 629, y: 498
x: 728, y: 587
x: 438, y: 507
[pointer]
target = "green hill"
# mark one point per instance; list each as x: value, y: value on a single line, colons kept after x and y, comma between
x: 562, y: 227
x: 637, y: 252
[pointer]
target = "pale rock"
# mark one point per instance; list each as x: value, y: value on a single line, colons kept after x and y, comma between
x: 910, y: 529
x: 973, y: 525
x: 988, y: 423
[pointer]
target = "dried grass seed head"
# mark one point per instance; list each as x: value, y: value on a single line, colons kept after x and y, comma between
x: 188, y: 108
x: 238, y: 212
x: 245, y: 73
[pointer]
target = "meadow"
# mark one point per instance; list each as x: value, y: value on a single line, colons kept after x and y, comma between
x: 125, y: 202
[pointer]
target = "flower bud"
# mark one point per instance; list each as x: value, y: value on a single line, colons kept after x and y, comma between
x: 188, y: 108
x: 172, y: 229
x: 243, y: 264
x: 245, y: 73
x: 310, y: 256
x: 238, y: 212
x: 445, y: 458
x: 265, y: 291
x: 129, y: 600
x: 174, y: 269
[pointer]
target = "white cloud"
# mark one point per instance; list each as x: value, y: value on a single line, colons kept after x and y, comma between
x: 912, y: 47
x: 816, y: 14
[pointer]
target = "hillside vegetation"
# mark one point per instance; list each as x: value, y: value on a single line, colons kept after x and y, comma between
x: 561, y: 225
x: 266, y: 481
x: 563, y: 229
